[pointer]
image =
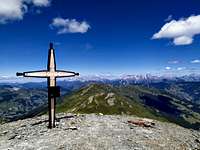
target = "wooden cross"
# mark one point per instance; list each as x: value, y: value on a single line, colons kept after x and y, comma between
x: 51, y: 74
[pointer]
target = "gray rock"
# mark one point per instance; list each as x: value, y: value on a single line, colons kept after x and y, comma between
x: 91, y: 132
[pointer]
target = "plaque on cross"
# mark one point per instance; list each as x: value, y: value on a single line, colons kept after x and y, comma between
x: 51, y: 74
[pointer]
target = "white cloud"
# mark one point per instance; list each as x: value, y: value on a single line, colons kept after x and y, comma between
x: 195, y: 61
x: 182, y: 31
x: 11, y: 10
x: 167, y: 68
x: 181, y: 68
x: 183, y: 40
x: 69, y: 26
x: 173, y: 62
x: 41, y: 3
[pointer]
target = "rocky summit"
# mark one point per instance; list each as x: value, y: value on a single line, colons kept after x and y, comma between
x: 96, y: 131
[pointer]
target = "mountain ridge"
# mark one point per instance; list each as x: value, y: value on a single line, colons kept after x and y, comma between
x: 131, y: 100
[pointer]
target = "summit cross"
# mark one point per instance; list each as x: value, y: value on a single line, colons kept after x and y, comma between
x: 51, y: 74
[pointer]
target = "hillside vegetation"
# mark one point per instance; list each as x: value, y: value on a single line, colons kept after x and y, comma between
x: 131, y: 100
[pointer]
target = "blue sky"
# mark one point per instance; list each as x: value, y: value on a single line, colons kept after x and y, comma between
x: 100, y: 36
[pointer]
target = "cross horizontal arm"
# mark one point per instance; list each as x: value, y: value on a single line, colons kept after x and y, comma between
x: 37, y: 74
x: 62, y: 73
x: 45, y: 74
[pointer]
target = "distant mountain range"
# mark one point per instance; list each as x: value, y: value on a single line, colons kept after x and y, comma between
x: 108, y: 77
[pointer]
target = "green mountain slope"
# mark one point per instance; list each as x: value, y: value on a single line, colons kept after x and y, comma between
x: 105, y: 99
x: 130, y: 100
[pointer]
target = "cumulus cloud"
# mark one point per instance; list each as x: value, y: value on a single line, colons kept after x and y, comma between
x: 182, y: 31
x: 167, y: 68
x: 173, y: 62
x: 195, y: 61
x: 11, y: 10
x: 69, y: 26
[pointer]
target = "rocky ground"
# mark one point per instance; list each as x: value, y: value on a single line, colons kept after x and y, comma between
x: 91, y: 132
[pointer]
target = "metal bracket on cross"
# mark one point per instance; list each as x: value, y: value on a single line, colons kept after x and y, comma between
x: 51, y: 74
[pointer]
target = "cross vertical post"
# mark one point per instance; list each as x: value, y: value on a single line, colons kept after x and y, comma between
x: 51, y: 74
x: 51, y: 81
